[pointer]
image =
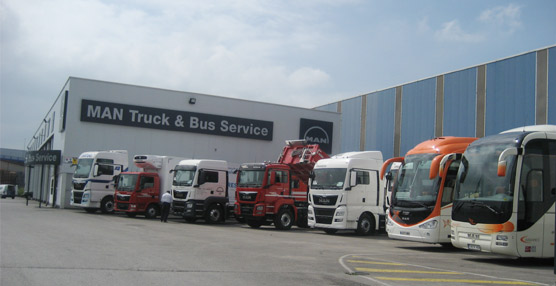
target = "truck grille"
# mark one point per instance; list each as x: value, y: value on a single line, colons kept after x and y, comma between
x: 247, y: 196
x: 324, y: 215
x: 247, y: 209
x: 123, y: 198
x: 79, y: 186
x: 180, y: 195
x: 122, y: 206
x: 325, y: 200
x: 77, y: 197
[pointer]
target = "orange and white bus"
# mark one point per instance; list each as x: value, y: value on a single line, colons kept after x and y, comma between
x: 505, y: 193
x: 421, y: 200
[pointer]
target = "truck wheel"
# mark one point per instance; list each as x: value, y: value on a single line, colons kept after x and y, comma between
x: 284, y: 219
x: 91, y: 210
x: 213, y: 214
x: 107, y: 205
x: 366, y: 225
x: 131, y: 214
x: 151, y: 212
x: 254, y: 223
x: 330, y: 230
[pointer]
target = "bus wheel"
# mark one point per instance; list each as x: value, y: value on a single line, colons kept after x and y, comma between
x: 284, y: 219
x: 366, y: 225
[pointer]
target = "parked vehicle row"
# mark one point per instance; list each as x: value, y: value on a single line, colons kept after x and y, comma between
x: 493, y: 194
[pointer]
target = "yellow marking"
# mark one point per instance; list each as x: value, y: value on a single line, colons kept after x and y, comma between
x: 457, y: 281
x: 406, y: 271
x: 374, y: 262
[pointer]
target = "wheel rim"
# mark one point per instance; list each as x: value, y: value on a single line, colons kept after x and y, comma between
x: 365, y: 225
x: 286, y: 219
x: 214, y: 214
x: 151, y: 212
x: 109, y: 206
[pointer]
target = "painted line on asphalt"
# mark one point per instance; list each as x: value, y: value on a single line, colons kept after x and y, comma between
x: 375, y: 270
x: 375, y: 262
x: 471, y: 281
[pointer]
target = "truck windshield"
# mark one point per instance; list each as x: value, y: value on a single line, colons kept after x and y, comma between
x: 413, y: 185
x: 329, y: 178
x: 83, y: 168
x: 479, y: 191
x: 250, y: 178
x: 184, y: 175
x: 127, y: 182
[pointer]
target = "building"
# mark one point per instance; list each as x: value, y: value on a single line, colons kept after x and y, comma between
x: 11, y: 167
x: 91, y: 115
x: 473, y: 102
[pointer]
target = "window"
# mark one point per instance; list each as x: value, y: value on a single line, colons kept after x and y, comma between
x: 211, y: 176
x: 147, y: 182
x: 362, y: 178
x: 105, y: 167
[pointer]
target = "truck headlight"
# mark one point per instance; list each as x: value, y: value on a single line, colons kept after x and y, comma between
x: 429, y: 225
x: 340, y: 213
x: 389, y: 222
x: 310, y: 211
x: 502, y: 237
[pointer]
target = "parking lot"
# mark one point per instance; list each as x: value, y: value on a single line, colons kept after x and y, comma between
x: 47, y: 246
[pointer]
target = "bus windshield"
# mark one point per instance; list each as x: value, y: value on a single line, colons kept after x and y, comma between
x: 414, y: 186
x: 83, y: 168
x: 329, y: 178
x: 250, y: 178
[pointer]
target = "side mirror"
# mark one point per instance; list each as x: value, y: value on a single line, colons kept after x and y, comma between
x: 200, y: 178
x: 95, y: 171
x: 116, y: 179
x: 352, y: 179
x: 387, y: 163
x: 388, y: 176
x: 435, y: 164
x: 312, y: 175
x: 502, y: 160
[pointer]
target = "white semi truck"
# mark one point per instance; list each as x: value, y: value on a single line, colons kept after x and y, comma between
x: 201, y: 189
x: 345, y: 193
x: 93, y: 185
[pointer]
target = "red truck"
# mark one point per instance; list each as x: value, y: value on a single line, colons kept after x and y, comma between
x: 140, y: 192
x: 276, y: 193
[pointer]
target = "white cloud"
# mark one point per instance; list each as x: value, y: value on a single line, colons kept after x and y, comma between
x: 508, y: 17
x: 452, y: 32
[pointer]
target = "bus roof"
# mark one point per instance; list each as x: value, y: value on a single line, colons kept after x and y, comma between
x: 442, y: 145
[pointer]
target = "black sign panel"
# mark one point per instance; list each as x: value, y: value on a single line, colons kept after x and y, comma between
x: 52, y: 157
x: 166, y: 119
x: 317, y: 132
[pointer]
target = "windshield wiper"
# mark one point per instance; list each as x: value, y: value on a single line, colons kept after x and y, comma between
x: 481, y: 204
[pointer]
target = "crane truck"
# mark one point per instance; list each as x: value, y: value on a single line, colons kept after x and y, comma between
x: 277, y: 192
x: 93, y: 186
x: 346, y: 193
x: 140, y: 192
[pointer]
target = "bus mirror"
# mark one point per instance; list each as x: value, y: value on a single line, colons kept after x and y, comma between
x: 502, y: 160
x: 435, y: 164
x: 446, y: 159
x: 387, y: 163
x: 388, y: 176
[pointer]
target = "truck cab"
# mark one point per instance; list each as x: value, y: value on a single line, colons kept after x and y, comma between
x: 93, y: 185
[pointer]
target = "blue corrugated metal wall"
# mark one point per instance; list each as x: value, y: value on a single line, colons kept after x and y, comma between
x: 460, y: 100
x: 379, y: 131
x: 552, y: 85
x: 351, y: 124
x: 329, y: 107
x: 418, y: 113
x: 510, y: 94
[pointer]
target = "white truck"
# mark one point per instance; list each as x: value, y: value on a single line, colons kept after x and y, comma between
x: 201, y: 189
x: 93, y: 185
x: 345, y: 193
x: 140, y: 192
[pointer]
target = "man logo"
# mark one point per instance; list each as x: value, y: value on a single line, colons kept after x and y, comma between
x: 317, y: 132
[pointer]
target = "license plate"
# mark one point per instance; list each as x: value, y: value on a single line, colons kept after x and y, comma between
x: 474, y: 247
x: 404, y: 232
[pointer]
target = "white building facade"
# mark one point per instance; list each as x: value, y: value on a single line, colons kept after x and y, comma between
x: 91, y: 115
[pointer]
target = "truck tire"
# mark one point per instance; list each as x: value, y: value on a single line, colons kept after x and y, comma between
x: 131, y: 214
x: 91, y: 210
x: 151, y: 212
x: 366, y: 225
x: 107, y: 205
x: 330, y: 230
x: 213, y: 214
x: 254, y: 223
x: 284, y: 219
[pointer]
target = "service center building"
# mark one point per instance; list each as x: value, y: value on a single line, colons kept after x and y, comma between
x: 91, y: 115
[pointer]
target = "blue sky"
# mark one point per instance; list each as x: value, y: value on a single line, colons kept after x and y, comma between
x: 301, y: 53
